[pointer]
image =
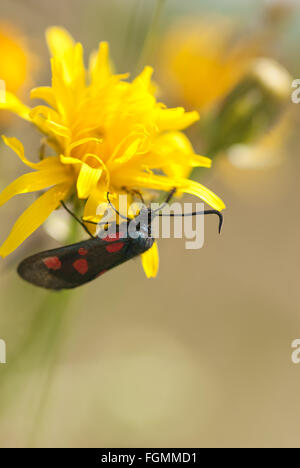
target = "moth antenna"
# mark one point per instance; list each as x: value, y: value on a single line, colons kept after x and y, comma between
x: 196, y: 213
x: 76, y: 218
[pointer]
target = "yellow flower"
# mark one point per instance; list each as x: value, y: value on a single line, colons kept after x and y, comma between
x: 202, y: 59
x: 106, y: 133
x: 16, y: 62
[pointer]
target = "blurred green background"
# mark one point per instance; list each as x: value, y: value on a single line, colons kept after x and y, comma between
x: 199, y: 356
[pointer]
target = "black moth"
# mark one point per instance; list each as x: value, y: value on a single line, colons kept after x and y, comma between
x: 74, y: 265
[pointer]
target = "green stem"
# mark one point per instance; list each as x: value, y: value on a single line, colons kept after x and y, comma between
x: 56, y: 307
x: 149, y: 42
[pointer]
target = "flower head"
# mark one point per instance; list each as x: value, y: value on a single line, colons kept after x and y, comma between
x: 106, y: 134
x: 202, y: 59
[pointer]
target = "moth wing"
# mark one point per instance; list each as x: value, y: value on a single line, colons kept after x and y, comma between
x: 76, y: 264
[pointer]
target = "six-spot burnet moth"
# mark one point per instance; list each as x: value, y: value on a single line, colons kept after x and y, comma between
x: 74, y: 265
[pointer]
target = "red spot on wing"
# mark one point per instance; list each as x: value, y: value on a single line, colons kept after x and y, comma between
x: 83, y: 251
x: 81, y: 266
x: 115, y: 246
x: 53, y: 263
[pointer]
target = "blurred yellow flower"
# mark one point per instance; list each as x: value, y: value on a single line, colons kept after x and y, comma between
x: 202, y: 59
x: 107, y: 135
x: 16, y: 62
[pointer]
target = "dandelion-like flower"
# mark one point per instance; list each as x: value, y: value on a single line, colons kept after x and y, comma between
x: 106, y: 134
x: 203, y: 59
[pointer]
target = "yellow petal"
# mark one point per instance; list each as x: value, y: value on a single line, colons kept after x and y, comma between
x: 175, y: 119
x: 56, y: 129
x: 194, y: 188
x: 32, y: 182
x: 96, y: 198
x: 90, y: 172
x: 59, y: 41
x: 18, y: 148
x: 155, y: 182
x: 174, y: 153
x: 126, y: 142
x: 62, y: 91
x: 69, y: 160
x: 87, y: 180
x: 144, y: 78
x: 150, y: 261
x: 45, y: 111
x: 82, y: 141
x: 47, y: 120
x: 45, y: 93
x: 68, y: 81
x: 100, y: 66
x: 200, y: 191
x: 173, y: 164
x: 76, y: 70
x: 13, y: 104
x: 70, y: 55
x: 47, y: 163
x: 33, y: 217
x: 128, y: 154
x: 52, y: 162
x: 177, y: 141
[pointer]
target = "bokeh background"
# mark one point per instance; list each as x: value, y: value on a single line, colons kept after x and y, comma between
x: 199, y: 356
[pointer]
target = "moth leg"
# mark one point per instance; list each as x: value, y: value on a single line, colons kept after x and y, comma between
x: 170, y: 195
x: 77, y: 219
x: 168, y: 199
x: 95, y: 223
